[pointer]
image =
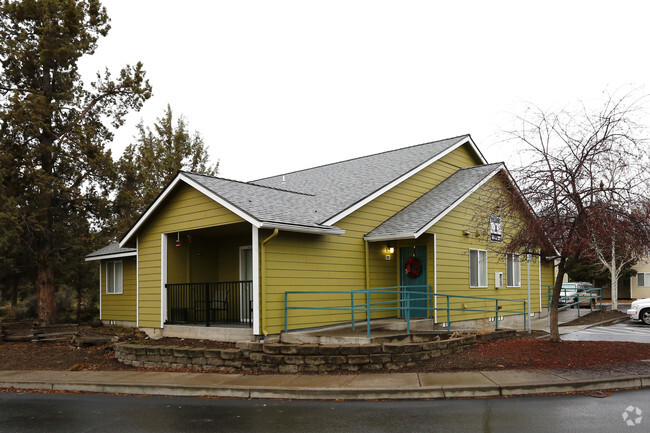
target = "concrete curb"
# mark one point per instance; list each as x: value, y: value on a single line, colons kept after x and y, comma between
x: 408, y: 386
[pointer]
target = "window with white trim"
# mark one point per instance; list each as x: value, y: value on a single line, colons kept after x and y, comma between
x: 513, y: 270
x: 643, y: 279
x: 478, y: 268
x: 114, y: 277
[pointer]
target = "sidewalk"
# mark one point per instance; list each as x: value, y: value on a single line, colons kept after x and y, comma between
x: 345, y: 387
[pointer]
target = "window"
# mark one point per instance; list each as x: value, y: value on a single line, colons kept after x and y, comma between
x: 643, y: 279
x: 513, y: 270
x: 478, y: 268
x: 114, y: 277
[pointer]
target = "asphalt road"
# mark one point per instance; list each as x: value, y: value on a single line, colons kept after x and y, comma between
x: 626, y: 331
x: 53, y: 413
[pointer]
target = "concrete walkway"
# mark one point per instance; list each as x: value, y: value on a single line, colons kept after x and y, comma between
x: 348, y: 387
x: 335, y: 387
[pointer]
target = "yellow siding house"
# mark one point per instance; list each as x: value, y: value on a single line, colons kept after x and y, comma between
x: 640, y: 283
x: 217, y: 258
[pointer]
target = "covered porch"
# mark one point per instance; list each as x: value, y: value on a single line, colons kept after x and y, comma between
x: 209, y: 276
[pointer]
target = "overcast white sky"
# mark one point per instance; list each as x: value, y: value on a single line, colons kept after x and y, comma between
x: 277, y: 86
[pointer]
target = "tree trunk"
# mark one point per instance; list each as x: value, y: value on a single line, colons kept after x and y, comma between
x: 14, y: 293
x: 614, y: 278
x: 45, y: 286
x: 78, y: 302
x: 553, y: 314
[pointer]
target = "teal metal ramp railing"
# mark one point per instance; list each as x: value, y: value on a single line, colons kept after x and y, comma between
x: 405, y: 301
x: 590, y: 297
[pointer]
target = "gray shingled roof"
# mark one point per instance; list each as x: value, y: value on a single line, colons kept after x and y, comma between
x: 340, y: 185
x: 308, y: 198
x: 409, y: 221
x: 110, y: 250
x: 264, y: 203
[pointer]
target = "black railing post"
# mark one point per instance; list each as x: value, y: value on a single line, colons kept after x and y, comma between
x: 207, y: 304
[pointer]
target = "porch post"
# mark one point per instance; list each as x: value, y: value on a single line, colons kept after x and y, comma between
x: 435, y: 278
x: 163, y: 279
x: 100, y: 289
x: 256, y: 279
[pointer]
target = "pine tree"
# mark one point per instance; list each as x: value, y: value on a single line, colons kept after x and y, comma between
x: 54, y: 130
x: 152, y: 161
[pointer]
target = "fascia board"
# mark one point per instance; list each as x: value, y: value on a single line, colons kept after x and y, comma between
x: 394, y: 237
x: 459, y: 201
x: 302, y: 229
x: 369, y: 198
x: 220, y: 200
x: 112, y: 256
x: 150, y: 210
x: 181, y: 177
x: 475, y: 148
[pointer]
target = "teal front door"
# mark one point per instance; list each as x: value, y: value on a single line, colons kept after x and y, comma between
x: 413, y: 277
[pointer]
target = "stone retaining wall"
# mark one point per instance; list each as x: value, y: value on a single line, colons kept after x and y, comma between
x: 292, y: 358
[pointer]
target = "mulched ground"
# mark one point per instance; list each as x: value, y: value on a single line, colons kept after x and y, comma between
x: 522, y: 351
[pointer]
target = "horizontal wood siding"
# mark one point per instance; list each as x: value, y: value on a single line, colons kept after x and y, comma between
x: 453, y: 245
x: 120, y: 306
x: 184, y: 209
x: 297, y: 262
x: 637, y: 292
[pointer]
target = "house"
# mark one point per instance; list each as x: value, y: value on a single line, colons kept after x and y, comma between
x: 640, y: 283
x: 228, y: 255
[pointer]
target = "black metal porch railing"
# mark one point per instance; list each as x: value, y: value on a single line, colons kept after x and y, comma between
x: 229, y: 302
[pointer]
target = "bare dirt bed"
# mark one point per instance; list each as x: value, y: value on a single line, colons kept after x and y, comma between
x: 521, y: 351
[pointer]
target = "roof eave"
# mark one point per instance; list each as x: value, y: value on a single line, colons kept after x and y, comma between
x: 111, y: 256
x: 333, y: 230
x: 392, y: 237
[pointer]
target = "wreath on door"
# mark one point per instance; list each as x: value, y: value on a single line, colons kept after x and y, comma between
x: 413, y: 267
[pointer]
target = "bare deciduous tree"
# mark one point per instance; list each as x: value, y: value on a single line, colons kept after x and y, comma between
x: 575, y: 163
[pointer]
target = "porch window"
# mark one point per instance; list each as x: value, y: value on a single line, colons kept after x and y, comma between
x: 114, y: 277
x: 513, y: 270
x: 643, y: 279
x: 478, y: 268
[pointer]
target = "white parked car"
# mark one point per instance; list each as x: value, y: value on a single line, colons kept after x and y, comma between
x: 640, y: 310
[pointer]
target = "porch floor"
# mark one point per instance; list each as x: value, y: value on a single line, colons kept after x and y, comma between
x: 229, y: 333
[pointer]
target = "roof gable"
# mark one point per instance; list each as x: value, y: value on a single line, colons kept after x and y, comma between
x: 260, y: 205
x: 419, y: 216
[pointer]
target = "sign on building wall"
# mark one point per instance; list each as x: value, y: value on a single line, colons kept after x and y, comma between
x: 496, y: 229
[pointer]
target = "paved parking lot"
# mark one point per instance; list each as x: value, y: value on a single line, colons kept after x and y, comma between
x: 625, y: 331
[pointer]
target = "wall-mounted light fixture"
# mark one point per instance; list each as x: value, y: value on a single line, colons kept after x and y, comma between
x: 390, y: 248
